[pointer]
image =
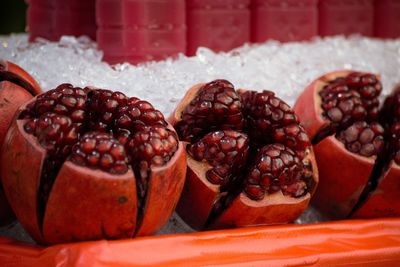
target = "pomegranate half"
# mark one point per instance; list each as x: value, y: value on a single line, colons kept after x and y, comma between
x: 356, y: 143
x: 16, y: 88
x: 249, y: 160
x: 84, y: 164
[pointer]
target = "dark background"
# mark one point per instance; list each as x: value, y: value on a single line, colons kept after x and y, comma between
x: 12, y: 16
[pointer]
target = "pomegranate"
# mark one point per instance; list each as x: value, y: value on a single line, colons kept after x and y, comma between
x: 16, y: 87
x: 84, y: 164
x: 250, y: 162
x: 356, y: 143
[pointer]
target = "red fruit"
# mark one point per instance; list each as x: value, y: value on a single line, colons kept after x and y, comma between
x: 354, y: 145
x: 16, y: 87
x: 230, y: 184
x: 79, y: 157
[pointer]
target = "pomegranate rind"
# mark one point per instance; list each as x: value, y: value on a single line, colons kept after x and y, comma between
x: 12, y: 96
x: 309, y: 159
x: 343, y: 177
x: 31, y: 85
x: 385, y: 200
x: 22, y: 158
x: 165, y: 186
x: 273, y: 209
x: 175, y: 117
x: 86, y: 204
x: 6, y: 213
x: 308, y: 104
x: 198, y: 195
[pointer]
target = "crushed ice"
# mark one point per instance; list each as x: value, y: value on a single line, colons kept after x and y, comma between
x: 283, y: 68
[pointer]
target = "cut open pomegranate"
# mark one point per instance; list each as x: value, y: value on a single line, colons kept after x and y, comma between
x: 16, y: 88
x: 84, y: 164
x: 250, y: 162
x: 356, y: 143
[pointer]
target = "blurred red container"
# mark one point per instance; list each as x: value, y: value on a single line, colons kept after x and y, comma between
x: 346, y: 17
x: 140, y: 30
x: 75, y: 17
x: 387, y: 18
x: 220, y: 25
x: 40, y: 19
x: 52, y: 19
x: 284, y: 20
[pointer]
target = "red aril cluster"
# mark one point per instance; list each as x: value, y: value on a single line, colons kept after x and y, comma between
x: 100, y: 151
x: 50, y: 118
x: 275, y: 168
x: 137, y: 114
x: 226, y: 151
x: 63, y: 100
x: 216, y: 107
x: 102, y: 107
x: 363, y: 138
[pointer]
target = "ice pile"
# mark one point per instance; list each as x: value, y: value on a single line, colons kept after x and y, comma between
x: 283, y: 68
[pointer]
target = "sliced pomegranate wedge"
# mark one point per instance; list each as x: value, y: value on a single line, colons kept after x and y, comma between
x: 249, y: 160
x: 16, y: 88
x: 72, y: 170
x: 354, y: 143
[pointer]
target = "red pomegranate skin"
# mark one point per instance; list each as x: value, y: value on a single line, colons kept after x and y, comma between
x: 345, y: 188
x: 94, y: 193
x: 16, y: 88
x: 214, y: 194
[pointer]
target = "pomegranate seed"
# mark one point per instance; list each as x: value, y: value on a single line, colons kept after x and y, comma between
x: 54, y: 132
x: 216, y: 107
x: 102, y: 108
x: 154, y: 145
x: 137, y: 114
x: 350, y: 99
x: 276, y: 167
x: 293, y: 136
x: 58, y: 117
x: 63, y: 100
x: 255, y: 192
x: 265, y: 114
x: 99, y: 150
x: 225, y: 150
x: 363, y: 138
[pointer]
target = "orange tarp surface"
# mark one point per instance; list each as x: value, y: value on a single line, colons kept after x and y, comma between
x: 343, y: 243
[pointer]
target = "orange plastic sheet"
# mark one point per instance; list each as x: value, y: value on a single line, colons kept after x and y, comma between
x: 345, y: 243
